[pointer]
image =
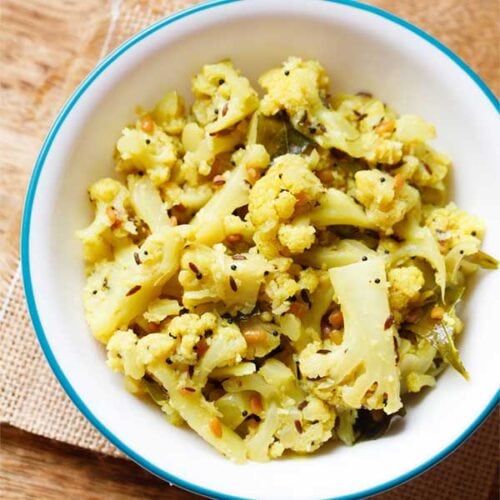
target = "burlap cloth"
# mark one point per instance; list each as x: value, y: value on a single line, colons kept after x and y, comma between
x: 47, y: 46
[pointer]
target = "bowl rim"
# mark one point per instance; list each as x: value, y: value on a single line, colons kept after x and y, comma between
x: 25, y: 250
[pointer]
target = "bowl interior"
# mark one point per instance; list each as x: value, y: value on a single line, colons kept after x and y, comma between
x: 361, y: 51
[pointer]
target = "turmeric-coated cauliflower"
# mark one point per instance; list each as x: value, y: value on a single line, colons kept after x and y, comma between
x: 451, y: 226
x: 154, y: 153
x: 405, y: 284
x: 210, y: 276
x: 275, y: 200
x: 223, y: 97
x: 111, y: 220
x: 277, y: 272
x: 386, y: 198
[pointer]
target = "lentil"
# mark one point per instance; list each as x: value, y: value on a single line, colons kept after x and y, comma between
x: 215, y: 427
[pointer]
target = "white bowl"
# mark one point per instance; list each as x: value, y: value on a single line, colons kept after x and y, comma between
x: 363, y: 48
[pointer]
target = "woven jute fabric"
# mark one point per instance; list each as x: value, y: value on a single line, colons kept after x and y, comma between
x: 45, y: 52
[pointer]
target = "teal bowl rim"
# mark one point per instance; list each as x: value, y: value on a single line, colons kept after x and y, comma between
x: 25, y: 256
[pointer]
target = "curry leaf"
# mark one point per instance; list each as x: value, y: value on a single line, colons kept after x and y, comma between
x: 157, y: 394
x: 278, y: 136
x: 453, y: 294
x: 441, y: 337
x: 371, y: 424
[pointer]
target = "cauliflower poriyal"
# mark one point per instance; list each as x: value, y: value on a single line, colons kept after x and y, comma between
x: 270, y: 271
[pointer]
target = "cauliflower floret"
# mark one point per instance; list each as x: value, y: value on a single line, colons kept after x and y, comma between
x: 432, y: 166
x: 415, y: 363
x: 279, y: 289
x: 303, y: 430
x: 154, y: 347
x: 296, y: 237
x: 131, y: 355
x: 223, y: 97
x: 190, y: 198
x: 298, y: 422
x: 118, y: 291
x: 386, y: 202
x: 384, y: 136
x: 179, y: 345
x: 377, y: 149
x: 361, y: 370
x: 282, y: 288
x: 309, y: 279
x: 451, y: 226
x: 366, y: 113
x: 209, y: 275
x: 160, y: 309
x: 121, y: 342
x: 412, y: 129
x: 187, y: 330
x: 252, y: 156
x: 296, y: 86
x: 209, y: 221
x: 169, y: 113
x: 154, y: 153
x: 112, y: 207
x: 404, y: 286
x: 287, y: 186
x: 226, y: 348
x: 203, y: 148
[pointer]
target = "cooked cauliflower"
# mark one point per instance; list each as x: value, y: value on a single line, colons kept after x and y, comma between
x: 169, y: 113
x: 277, y: 273
x: 297, y: 237
x: 432, y: 166
x: 362, y: 370
x: 160, y: 309
x: 154, y: 153
x: 387, y: 202
x: 417, y: 365
x: 301, y: 89
x: 405, y: 284
x: 187, y: 330
x: 223, y: 97
x: 303, y: 430
x: 252, y: 156
x: 209, y: 275
x: 131, y: 355
x: 111, y: 220
x: 287, y: 186
x: 296, y: 86
x: 451, y: 226
x: 119, y: 290
x: 203, y: 149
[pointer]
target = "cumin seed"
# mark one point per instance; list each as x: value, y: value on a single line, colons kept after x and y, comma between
x: 232, y: 284
x: 389, y: 322
x: 133, y: 290
x: 302, y: 405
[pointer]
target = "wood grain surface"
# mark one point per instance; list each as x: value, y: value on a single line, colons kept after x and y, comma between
x: 32, y: 467
x: 46, y: 47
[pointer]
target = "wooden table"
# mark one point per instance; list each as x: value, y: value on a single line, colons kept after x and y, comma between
x: 32, y: 467
x: 39, y: 47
